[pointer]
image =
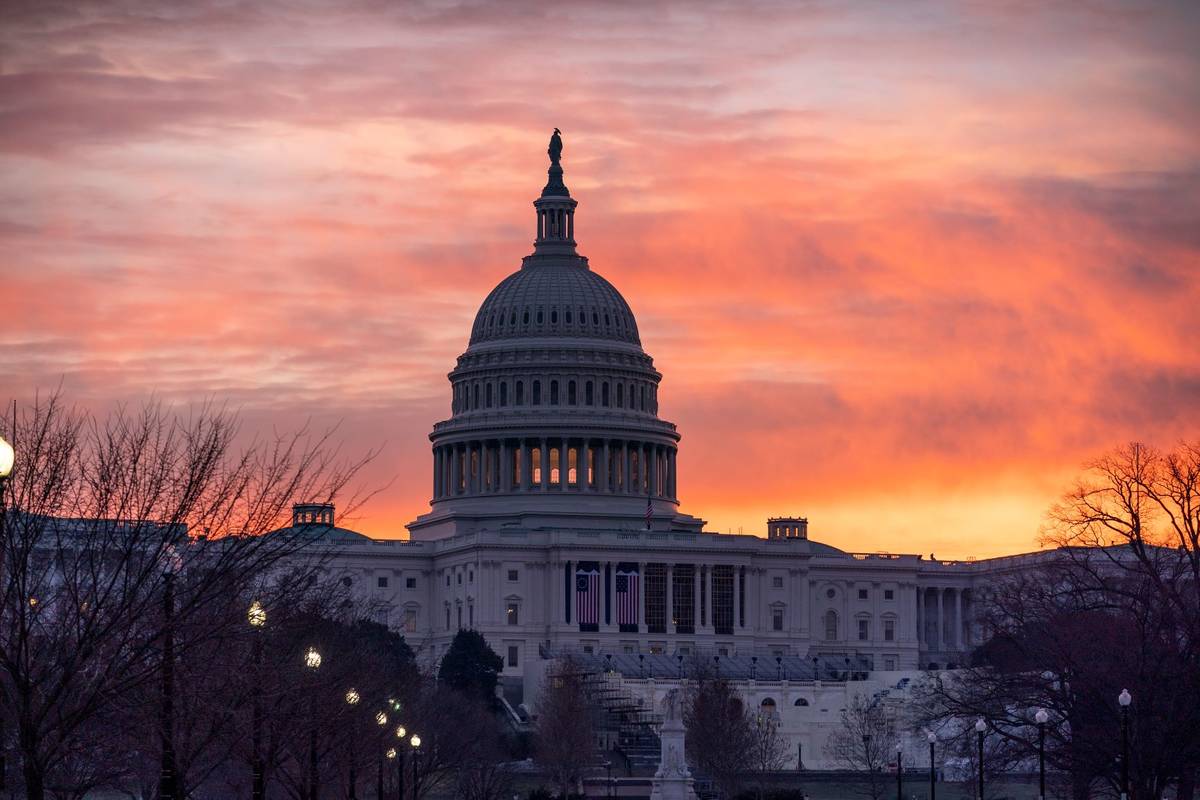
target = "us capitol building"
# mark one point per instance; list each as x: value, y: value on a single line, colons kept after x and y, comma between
x: 555, y: 522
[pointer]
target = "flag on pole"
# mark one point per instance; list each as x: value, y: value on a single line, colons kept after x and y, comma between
x: 587, y: 595
x: 627, y: 597
x: 649, y: 512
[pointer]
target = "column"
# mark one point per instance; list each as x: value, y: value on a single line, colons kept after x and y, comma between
x: 671, y: 474
x: 958, y: 620
x: 920, y: 615
x: 437, y: 464
x: 544, y: 457
x: 584, y: 474
x: 526, y: 465
x: 939, y: 634
x: 624, y: 487
x: 708, y: 597
x: 505, y: 467
x: 602, y: 478
x: 564, y: 464
x: 651, y: 469
x: 641, y: 617
x: 670, y: 598
x: 696, y: 598
x: 610, y: 601
x: 737, y: 598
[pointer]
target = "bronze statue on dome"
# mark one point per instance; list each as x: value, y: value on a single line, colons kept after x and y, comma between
x: 555, y: 149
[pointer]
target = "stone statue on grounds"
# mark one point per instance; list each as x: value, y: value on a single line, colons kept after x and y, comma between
x: 673, y: 780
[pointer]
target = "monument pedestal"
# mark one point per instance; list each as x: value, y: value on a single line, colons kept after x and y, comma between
x: 673, y: 780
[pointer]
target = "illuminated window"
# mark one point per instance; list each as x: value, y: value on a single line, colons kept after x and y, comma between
x: 591, y: 467
x: 573, y: 465
x: 512, y: 613
x: 410, y: 620
x: 535, y: 456
x: 555, y: 453
x: 633, y: 468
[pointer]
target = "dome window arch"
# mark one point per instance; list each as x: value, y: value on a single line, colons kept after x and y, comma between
x: 569, y: 317
x: 607, y: 320
x: 571, y: 398
x: 554, y: 316
x: 596, y: 318
x: 604, y: 394
x: 553, y: 393
x: 503, y: 393
x: 487, y: 394
x: 520, y: 395
x: 620, y: 395
x: 540, y: 316
x: 525, y: 318
x: 588, y: 394
x: 476, y: 404
x: 512, y: 319
x: 537, y: 393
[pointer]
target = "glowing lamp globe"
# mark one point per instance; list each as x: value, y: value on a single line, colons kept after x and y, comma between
x: 256, y: 615
x: 7, y: 457
x: 416, y: 740
x: 352, y: 697
x: 312, y: 659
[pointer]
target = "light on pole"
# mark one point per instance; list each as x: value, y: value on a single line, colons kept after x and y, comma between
x: 7, y: 459
x: 381, y: 720
x: 415, y: 741
x: 1124, y: 698
x: 1042, y: 718
x: 931, y: 737
x: 256, y: 615
x: 312, y: 660
x: 980, y: 728
x: 352, y: 698
x: 899, y: 772
x: 400, y: 734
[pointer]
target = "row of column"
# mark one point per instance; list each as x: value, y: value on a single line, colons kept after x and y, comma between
x: 941, y: 623
x: 554, y: 464
x: 702, y: 597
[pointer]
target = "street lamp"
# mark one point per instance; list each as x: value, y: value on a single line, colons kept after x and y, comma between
x: 256, y: 615
x: 931, y: 737
x: 400, y: 734
x: 312, y: 660
x: 352, y: 698
x: 1042, y: 718
x: 899, y: 772
x: 980, y: 727
x: 381, y: 720
x: 1124, y: 698
x: 7, y: 457
x: 415, y: 741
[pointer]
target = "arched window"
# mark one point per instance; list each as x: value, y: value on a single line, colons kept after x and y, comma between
x: 554, y: 317
x: 604, y: 394
x: 520, y: 393
x: 831, y: 626
x: 537, y: 393
x: 503, y: 393
x: 476, y: 406
x: 588, y: 394
x: 553, y: 393
x: 768, y: 705
x: 487, y: 393
x: 569, y: 317
x: 539, y: 317
x: 571, y: 393
x: 525, y: 317
x: 801, y: 701
x: 620, y: 395
x: 643, y: 397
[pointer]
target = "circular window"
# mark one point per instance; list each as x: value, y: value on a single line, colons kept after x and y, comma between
x: 831, y: 594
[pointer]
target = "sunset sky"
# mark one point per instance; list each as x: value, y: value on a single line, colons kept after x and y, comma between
x: 904, y: 265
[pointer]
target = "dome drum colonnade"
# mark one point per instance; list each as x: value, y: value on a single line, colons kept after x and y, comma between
x: 554, y: 396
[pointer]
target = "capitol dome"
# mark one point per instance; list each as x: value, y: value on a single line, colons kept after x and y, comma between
x: 554, y: 403
x: 555, y: 300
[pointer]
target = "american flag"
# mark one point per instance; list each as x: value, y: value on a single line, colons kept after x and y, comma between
x: 587, y: 596
x: 649, y: 511
x: 627, y: 597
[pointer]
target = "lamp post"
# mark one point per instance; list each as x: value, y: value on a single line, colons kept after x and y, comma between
x: 381, y: 720
x: 7, y: 457
x: 352, y: 698
x: 256, y: 615
x: 1042, y: 718
x: 415, y: 741
x: 391, y: 756
x: 168, y: 779
x: 899, y: 772
x: 1124, y: 699
x: 931, y: 737
x: 312, y: 660
x: 400, y: 734
x: 980, y: 727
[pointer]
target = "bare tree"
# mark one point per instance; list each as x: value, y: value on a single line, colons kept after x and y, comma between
x: 120, y: 533
x: 864, y: 742
x: 769, y: 749
x: 720, y: 736
x: 485, y: 773
x: 565, y: 743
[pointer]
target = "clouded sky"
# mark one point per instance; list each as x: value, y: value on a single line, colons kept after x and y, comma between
x: 904, y: 266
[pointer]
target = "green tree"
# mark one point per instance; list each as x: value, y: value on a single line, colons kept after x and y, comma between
x: 471, y: 666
